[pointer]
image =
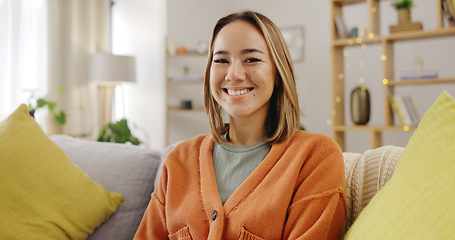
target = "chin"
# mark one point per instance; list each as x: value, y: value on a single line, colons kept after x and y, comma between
x: 238, y: 113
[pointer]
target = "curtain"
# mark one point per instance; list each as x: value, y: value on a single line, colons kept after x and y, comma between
x: 23, y: 52
x: 77, y: 29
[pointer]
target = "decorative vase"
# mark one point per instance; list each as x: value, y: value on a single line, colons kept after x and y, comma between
x: 404, y: 15
x: 360, y: 105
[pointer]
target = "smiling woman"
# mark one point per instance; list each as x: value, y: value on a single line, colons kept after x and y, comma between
x: 258, y: 176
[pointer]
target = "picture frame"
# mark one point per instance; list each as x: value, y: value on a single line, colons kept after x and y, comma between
x: 295, y: 42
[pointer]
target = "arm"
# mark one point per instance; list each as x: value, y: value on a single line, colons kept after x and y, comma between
x: 318, y: 209
x: 320, y: 218
x: 153, y: 224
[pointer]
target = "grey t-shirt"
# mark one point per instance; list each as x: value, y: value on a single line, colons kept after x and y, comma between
x: 233, y: 164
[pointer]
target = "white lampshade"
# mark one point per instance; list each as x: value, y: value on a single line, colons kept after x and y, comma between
x: 106, y: 69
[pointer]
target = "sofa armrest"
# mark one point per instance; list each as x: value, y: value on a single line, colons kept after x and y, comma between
x: 366, y: 174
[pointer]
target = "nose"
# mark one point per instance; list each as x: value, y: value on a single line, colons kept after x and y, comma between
x: 235, y: 72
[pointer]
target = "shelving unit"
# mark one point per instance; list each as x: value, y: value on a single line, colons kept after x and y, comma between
x: 185, y: 123
x: 339, y: 128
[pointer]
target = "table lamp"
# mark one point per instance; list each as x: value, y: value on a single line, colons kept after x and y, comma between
x: 107, y: 71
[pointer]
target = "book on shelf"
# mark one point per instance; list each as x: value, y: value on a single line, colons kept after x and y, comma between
x: 418, y: 74
x: 451, y: 5
x: 412, y: 111
x: 448, y: 8
x: 404, y: 109
x: 406, y: 27
x: 341, y: 27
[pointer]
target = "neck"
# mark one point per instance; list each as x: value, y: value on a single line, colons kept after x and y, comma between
x: 243, y: 133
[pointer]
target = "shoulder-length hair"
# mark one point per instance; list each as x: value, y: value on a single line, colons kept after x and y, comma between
x: 284, y: 116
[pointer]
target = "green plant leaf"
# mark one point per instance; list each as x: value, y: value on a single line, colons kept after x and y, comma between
x: 402, y: 4
x: 60, y: 90
x: 60, y: 117
x: 40, y: 102
x: 51, y: 105
x: 118, y: 132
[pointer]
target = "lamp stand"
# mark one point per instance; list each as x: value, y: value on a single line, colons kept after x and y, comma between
x: 107, y: 94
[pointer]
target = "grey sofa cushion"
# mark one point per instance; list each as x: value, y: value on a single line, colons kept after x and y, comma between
x: 122, y: 168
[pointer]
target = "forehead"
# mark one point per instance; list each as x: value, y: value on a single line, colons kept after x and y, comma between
x: 239, y: 33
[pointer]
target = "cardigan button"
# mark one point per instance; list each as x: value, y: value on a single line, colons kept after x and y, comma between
x: 214, y: 215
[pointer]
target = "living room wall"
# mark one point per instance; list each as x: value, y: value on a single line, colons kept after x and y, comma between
x: 187, y: 22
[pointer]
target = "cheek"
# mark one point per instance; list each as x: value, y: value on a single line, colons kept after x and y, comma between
x: 215, y: 84
x: 215, y: 75
x: 268, y: 81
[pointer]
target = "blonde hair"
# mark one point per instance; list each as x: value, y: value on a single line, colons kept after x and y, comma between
x: 284, y: 115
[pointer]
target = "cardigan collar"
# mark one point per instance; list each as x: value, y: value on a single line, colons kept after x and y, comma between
x: 209, y: 190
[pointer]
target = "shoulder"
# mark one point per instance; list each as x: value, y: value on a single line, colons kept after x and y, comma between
x: 303, y: 142
x: 189, y: 148
x: 312, y: 140
x: 319, y: 155
x: 193, y: 142
x: 314, y: 150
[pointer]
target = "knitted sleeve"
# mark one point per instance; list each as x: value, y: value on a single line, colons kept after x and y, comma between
x: 153, y: 224
x: 318, y: 209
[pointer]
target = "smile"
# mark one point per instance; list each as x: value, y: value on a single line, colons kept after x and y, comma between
x: 238, y: 92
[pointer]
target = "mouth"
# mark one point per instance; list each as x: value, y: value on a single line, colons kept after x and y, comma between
x: 237, y: 92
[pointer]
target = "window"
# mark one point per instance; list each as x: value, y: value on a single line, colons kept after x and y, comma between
x: 23, y: 52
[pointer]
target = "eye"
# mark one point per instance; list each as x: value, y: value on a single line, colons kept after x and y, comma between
x: 221, y: 60
x: 252, y: 60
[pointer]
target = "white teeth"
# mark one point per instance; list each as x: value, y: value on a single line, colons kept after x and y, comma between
x: 237, y: 93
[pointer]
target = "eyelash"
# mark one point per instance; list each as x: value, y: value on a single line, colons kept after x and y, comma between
x: 249, y: 60
x: 219, y: 61
x: 253, y: 60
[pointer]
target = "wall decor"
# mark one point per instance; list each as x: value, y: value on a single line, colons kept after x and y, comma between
x: 294, y: 40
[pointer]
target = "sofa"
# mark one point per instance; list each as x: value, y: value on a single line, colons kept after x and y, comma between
x: 392, y: 192
x: 112, y: 165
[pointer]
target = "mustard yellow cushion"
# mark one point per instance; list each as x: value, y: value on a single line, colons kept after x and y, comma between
x: 417, y: 202
x: 42, y: 194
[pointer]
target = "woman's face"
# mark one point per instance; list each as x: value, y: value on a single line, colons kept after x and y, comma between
x: 242, y: 74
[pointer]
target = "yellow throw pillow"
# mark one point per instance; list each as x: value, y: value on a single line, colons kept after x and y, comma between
x: 42, y: 194
x: 417, y: 202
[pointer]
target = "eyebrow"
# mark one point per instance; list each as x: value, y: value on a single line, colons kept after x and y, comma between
x: 244, y: 51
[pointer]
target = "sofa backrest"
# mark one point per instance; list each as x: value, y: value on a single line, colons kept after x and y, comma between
x: 123, y: 168
x: 366, y: 174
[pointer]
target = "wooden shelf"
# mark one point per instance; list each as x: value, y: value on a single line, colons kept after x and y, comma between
x: 343, y: 128
x: 444, y: 32
x: 387, y: 42
x: 421, y: 81
x: 171, y: 82
x: 348, y: 2
x: 356, y: 41
x: 177, y: 109
x: 188, y: 53
x: 181, y: 86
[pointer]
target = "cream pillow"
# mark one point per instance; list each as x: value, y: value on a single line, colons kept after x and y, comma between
x: 417, y: 202
x: 42, y: 194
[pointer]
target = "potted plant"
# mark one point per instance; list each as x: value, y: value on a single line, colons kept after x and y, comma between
x: 404, y: 10
x: 58, y: 115
x: 118, y: 132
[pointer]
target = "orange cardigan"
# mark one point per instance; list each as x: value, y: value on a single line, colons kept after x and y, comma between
x: 297, y: 192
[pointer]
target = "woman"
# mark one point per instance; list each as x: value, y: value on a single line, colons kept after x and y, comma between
x: 256, y: 177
